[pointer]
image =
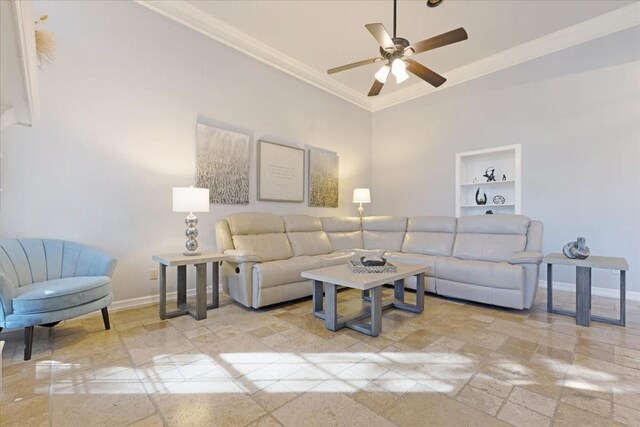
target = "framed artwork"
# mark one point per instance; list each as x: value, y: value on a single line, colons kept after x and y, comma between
x: 323, y: 178
x: 280, y: 172
x: 222, y: 164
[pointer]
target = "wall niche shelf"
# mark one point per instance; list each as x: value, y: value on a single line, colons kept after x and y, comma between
x: 473, y: 164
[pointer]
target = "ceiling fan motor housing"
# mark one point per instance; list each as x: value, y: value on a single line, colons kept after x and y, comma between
x: 400, y: 45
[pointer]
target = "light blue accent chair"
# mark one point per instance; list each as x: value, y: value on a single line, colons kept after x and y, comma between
x: 43, y: 282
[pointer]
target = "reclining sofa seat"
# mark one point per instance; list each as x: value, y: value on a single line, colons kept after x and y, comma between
x: 492, y: 259
x: 268, y: 253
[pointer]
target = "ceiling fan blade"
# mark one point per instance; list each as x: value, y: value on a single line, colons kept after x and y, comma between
x: 382, y: 36
x: 375, y: 88
x: 443, y: 39
x: 431, y: 77
x: 354, y: 65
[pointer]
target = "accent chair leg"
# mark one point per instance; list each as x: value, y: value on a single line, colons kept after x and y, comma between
x: 28, y: 342
x: 105, y: 318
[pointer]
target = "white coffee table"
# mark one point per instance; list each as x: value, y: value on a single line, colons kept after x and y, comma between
x: 330, y: 278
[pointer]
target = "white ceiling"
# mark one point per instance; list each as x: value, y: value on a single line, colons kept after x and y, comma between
x: 320, y: 34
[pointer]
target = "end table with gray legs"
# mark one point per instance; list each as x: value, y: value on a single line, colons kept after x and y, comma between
x: 583, y: 286
x: 181, y: 261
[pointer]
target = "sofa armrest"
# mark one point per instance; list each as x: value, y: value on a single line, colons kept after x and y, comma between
x: 240, y: 257
x: 526, y: 257
x: 7, y: 293
x: 102, y: 265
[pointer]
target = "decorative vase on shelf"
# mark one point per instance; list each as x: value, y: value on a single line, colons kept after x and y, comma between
x: 577, y: 249
x: 480, y: 200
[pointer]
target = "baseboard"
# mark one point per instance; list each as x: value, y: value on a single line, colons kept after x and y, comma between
x: 601, y: 292
x: 128, y: 304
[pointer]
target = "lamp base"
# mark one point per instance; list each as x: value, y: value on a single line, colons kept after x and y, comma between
x: 191, y: 253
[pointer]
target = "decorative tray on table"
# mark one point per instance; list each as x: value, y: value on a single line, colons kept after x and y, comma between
x: 365, y: 265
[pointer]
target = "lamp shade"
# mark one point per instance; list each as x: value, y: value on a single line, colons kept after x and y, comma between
x: 189, y: 199
x: 361, y: 195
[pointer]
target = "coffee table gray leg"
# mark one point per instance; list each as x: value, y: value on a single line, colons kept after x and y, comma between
x: 398, y: 290
x: 399, y: 295
x: 182, y: 286
x: 215, y: 286
x: 201, y: 291
x: 376, y: 311
x: 331, y: 311
x: 549, y: 288
x: 583, y: 296
x: 317, y: 299
x: 420, y: 293
x: 623, y: 298
x: 162, y: 280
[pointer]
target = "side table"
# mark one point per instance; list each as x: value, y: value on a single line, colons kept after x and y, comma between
x: 181, y: 261
x: 583, y: 286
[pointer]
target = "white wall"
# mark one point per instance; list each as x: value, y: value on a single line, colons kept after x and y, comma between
x: 576, y: 114
x: 117, y: 132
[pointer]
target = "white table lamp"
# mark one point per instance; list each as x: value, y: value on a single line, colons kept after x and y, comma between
x: 361, y: 195
x: 189, y: 199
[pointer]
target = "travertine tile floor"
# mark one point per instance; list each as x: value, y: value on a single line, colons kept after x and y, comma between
x: 455, y: 364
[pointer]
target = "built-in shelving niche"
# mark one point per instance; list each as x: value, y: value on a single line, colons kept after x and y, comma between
x: 470, y: 168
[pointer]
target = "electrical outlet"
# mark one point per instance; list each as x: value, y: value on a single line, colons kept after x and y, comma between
x: 616, y: 272
x: 153, y: 275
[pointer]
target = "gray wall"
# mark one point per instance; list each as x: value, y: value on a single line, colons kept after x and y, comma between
x: 576, y: 114
x: 117, y: 132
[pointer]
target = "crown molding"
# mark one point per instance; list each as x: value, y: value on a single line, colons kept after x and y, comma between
x: 600, y: 26
x: 218, y: 30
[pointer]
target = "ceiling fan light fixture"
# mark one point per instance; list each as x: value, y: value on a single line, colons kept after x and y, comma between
x: 383, y: 73
x: 398, y: 66
x: 401, y: 76
x: 399, y: 70
x: 433, y: 3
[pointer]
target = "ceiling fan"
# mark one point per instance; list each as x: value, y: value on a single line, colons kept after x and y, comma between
x: 397, y: 51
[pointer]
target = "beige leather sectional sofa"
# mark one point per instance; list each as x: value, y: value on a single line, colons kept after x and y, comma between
x: 491, y: 259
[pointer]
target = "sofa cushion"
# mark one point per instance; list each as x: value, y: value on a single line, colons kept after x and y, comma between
x: 494, y: 224
x: 435, y: 224
x: 383, y: 232
x: 268, y: 247
x: 340, y: 223
x: 60, y: 294
x: 414, y: 259
x: 386, y: 240
x: 490, y: 237
x: 490, y: 274
x: 384, y: 223
x: 335, y: 258
x: 344, y: 241
x: 343, y: 232
x: 428, y: 243
x: 248, y: 223
x: 488, y: 247
x: 293, y: 223
x: 309, y: 243
x: 282, y: 272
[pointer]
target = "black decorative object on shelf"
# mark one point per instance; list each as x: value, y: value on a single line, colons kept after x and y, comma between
x: 504, y: 177
x: 489, y: 174
x: 489, y: 212
x: 498, y: 200
x: 481, y: 200
x: 577, y: 249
